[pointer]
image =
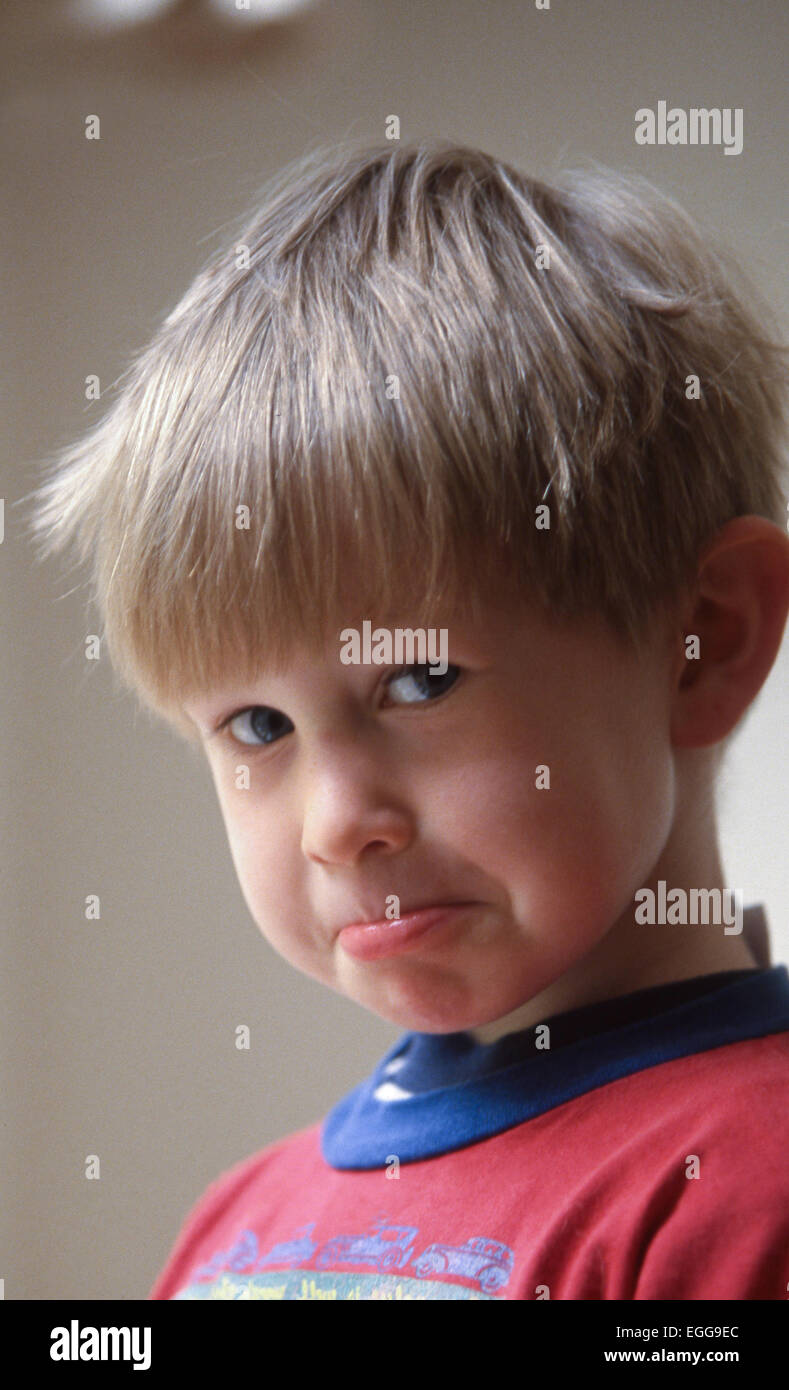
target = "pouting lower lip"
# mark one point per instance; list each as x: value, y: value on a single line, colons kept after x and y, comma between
x: 394, y: 936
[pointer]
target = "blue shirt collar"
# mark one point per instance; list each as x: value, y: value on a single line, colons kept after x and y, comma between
x: 363, y: 1130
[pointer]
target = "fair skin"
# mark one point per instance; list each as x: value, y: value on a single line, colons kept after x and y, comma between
x: 362, y: 787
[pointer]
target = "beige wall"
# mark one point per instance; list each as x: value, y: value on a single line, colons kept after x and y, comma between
x: 117, y: 1035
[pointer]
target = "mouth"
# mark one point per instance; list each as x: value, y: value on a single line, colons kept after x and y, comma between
x: 396, y: 935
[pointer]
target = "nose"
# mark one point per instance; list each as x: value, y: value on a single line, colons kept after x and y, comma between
x: 351, y: 808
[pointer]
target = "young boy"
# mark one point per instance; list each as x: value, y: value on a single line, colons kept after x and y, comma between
x: 541, y: 428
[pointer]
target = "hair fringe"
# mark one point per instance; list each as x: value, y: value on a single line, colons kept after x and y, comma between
x: 375, y: 365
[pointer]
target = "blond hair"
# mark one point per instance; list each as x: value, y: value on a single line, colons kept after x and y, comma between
x: 400, y: 356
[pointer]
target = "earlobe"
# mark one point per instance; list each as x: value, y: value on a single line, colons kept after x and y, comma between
x: 732, y: 633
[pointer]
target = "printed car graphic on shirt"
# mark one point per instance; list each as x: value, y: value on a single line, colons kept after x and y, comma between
x: 290, y: 1252
x: 388, y: 1247
x: 239, y: 1256
x: 488, y: 1263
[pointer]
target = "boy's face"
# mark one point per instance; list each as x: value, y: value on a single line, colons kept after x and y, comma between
x: 363, y: 787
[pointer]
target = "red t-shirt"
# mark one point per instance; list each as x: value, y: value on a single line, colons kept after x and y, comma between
x: 641, y: 1161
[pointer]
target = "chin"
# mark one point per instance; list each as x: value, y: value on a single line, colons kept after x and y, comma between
x: 421, y: 1005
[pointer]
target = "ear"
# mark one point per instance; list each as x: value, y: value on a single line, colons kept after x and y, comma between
x: 738, y: 612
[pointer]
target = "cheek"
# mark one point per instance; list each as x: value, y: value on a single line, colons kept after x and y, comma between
x: 264, y: 867
x: 570, y: 823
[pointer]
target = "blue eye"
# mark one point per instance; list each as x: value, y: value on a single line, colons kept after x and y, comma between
x: 419, y: 683
x: 268, y: 725
x: 416, y: 684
